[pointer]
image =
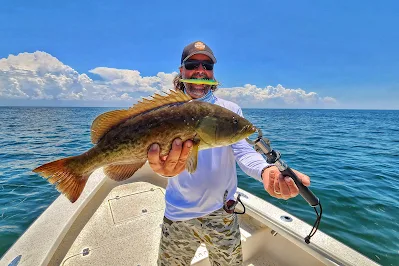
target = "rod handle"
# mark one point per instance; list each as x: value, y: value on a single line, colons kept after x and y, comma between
x: 303, y: 190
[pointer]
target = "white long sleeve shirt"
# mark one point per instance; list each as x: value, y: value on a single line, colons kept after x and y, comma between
x: 200, y: 193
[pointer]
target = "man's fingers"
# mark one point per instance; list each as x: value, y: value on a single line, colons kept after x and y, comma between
x: 185, y: 152
x: 280, y: 186
x: 294, y: 191
x: 153, y: 157
x: 268, y: 182
x: 304, y: 178
x: 174, y: 155
x: 276, y: 185
x: 284, y: 189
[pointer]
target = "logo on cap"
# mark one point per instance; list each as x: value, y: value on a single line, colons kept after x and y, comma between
x: 199, y: 45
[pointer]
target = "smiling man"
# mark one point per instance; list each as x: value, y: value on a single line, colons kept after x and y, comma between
x: 200, y: 205
x: 196, y: 63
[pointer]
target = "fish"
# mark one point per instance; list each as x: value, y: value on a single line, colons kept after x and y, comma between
x: 121, y: 138
x: 200, y: 81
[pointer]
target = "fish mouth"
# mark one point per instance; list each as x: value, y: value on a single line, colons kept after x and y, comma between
x: 246, y: 131
x: 249, y: 129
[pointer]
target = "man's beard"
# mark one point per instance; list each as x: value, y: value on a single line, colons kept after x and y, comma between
x: 197, y: 90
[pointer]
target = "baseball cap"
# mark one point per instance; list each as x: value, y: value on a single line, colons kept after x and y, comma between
x: 197, y: 47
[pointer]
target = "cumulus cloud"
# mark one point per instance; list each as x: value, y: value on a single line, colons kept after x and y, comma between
x: 253, y: 96
x: 125, y: 80
x: 41, y: 76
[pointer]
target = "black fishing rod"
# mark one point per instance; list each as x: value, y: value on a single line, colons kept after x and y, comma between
x: 262, y: 146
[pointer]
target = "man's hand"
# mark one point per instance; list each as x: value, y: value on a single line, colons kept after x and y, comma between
x: 282, y: 187
x: 173, y: 163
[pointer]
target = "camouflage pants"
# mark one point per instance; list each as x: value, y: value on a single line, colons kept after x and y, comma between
x: 219, y: 231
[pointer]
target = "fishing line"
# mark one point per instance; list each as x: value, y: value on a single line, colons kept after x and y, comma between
x: 10, y: 188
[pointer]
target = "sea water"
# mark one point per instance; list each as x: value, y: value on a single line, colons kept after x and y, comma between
x: 352, y: 157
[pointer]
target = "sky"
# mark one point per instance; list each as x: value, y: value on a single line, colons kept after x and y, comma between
x: 271, y: 54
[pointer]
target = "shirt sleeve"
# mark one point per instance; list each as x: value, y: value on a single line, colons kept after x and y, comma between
x: 250, y: 161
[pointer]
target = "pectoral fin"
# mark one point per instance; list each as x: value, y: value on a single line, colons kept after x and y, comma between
x: 191, y: 163
x: 122, y: 172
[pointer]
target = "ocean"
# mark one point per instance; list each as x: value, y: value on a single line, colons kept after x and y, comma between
x: 352, y: 157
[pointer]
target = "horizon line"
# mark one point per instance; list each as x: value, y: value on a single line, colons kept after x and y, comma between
x: 254, y: 108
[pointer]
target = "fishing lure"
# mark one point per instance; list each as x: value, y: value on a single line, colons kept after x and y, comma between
x: 200, y: 81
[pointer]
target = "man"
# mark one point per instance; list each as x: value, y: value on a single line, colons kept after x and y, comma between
x: 194, y: 211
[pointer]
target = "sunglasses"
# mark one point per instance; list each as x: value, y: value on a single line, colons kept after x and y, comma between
x: 194, y: 64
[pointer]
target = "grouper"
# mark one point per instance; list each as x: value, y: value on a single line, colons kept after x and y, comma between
x: 122, y: 138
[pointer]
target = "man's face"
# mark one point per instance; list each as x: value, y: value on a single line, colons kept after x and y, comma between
x: 197, y: 90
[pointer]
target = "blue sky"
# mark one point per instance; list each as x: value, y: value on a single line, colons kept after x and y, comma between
x: 288, y: 54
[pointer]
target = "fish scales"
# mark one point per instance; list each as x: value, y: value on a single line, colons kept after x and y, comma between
x: 160, y: 126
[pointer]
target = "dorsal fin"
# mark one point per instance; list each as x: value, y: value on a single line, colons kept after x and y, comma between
x: 104, y: 122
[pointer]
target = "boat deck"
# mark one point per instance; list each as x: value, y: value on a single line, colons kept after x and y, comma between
x: 119, y: 223
x: 126, y: 229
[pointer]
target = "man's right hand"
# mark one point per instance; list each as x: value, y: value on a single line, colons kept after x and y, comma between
x: 172, y: 164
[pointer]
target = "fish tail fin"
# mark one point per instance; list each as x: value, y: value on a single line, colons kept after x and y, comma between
x: 68, y: 180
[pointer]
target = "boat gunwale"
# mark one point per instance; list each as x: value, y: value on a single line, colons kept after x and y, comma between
x: 322, y: 247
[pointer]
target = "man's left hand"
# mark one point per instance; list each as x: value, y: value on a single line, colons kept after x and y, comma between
x: 282, y: 187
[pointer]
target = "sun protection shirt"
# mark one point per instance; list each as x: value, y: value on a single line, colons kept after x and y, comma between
x: 202, y: 192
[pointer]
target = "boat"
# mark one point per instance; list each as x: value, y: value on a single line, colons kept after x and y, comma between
x: 119, y: 223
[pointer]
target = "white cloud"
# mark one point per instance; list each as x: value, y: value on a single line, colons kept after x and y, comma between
x: 330, y: 100
x: 125, y: 80
x: 40, y: 76
x: 253, y: 96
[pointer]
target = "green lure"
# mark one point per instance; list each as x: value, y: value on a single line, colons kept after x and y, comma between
x: 200, y: 81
